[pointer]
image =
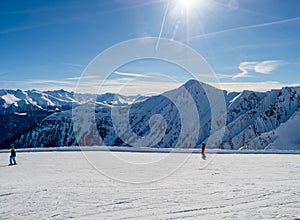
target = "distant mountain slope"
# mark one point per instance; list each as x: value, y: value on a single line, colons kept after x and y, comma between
x: 254, y: 120
x: 286, y: 136
x: 22, y: 111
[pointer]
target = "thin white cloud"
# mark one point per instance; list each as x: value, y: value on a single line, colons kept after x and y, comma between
x: 245, y: 67
x: 283, y: 21
x: 253, y: 86
x: 3, y: 73
x: 53, y: 22
x: 24, y: 28
x: 66, y: 83
x: 126, y: 85
x: 267, y: 67
x: 138, y: 86
x: 264, y: 67
x: 74, y: 65
x: 129, y: 86
x: 75, y: 18
x: 81, y: 78
x: 45, y: 83
x: 224, y: 76
x: 129, y: 74
x: 134, y: 87
x: 39, y: 84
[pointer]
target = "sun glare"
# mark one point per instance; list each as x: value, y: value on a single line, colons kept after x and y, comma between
x: 186, y: 3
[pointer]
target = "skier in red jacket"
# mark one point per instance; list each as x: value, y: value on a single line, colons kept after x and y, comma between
x: 203, y: 151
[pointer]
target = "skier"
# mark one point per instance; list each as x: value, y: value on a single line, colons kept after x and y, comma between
x: 67, y: 141
x: 12, y: 158
x: 203, y: 151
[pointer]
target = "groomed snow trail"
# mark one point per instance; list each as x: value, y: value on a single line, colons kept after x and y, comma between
x: 62, y: 185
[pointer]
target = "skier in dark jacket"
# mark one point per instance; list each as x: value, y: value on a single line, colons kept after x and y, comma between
x: 203, y: 150
x: 12, y: 158
x: 66, y: 141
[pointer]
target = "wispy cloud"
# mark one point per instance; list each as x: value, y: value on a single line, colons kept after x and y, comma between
x: 266, y: 24
x: 75, y: 65
x: 224, y: 76
x: 264, y: 67
x: 47, y: 82
x: 39, y: 25
x: 24, y: 28
x: 127, y: 85
x: 245, y: 67
x: 129, y: 74
x: 253, y: 86
x: 71, y: 82
x: 138, y: 86
x: 3, y: 73
x: 267, y: 67
x: 38, y: 84
x: 83, y: 17
x: 270, y: 44
x: 134, y: 87
x: 81, y: 78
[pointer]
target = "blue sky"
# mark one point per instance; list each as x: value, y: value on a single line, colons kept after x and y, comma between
x: 249, y: 44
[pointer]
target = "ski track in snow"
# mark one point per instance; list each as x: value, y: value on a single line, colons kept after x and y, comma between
x: 63, y: 185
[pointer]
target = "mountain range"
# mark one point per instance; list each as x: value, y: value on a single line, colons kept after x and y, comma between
x: 252, y: 120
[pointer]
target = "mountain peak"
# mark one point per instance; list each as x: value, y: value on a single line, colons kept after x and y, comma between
x: 191, y: 82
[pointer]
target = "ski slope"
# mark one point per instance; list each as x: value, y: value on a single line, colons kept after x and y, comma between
x: 63, y: 185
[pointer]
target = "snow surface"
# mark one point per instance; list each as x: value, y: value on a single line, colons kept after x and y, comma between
x: 62, y: 185
x: 10, y: 99
x: 288, y: 134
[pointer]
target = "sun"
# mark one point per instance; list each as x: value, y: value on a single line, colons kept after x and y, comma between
x: 187, y: 4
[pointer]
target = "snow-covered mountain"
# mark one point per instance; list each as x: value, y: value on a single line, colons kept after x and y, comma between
x: 20, y: 102
x: 254, y: 120
x: 21, y: 111
x: 119, y: 100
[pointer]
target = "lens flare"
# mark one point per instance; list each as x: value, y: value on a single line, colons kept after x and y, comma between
x: 186, y: 3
